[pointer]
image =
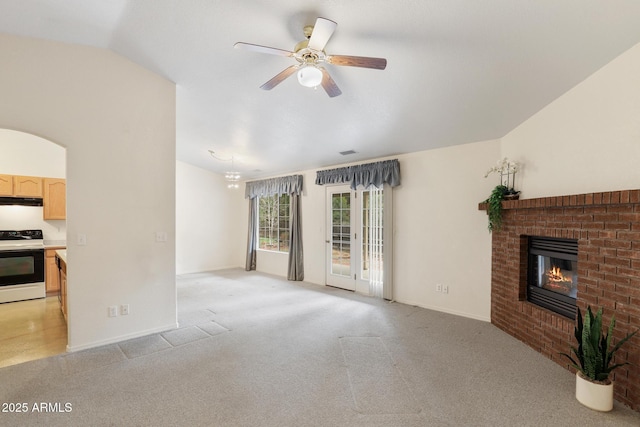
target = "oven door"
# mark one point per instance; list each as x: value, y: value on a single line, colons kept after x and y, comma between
x: 21, y: 266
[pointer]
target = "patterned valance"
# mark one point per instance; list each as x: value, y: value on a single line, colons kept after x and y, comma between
x: 268, y: 187
x: 376, y: 174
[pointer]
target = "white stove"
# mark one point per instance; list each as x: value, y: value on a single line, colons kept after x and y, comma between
x: 21, y: 265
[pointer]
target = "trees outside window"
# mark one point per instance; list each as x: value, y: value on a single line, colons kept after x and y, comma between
x: 273, y: 223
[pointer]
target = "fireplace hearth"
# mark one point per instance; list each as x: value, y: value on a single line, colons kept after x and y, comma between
x: 552, y: 280
x: 606, y: 227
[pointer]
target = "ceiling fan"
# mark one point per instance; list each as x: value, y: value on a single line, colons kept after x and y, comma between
x: 309, y: 55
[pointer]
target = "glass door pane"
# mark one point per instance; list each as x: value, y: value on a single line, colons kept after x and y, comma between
x: 371, y: 226
x: 341, y: 234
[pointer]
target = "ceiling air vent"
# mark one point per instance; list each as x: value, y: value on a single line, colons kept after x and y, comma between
x: 346, y: 153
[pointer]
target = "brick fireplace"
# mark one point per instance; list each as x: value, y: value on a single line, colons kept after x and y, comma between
x: 607, y: 228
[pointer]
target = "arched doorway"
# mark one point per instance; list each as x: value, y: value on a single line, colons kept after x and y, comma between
x: 35, y: 328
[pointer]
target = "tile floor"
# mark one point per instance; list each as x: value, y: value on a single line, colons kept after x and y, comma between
x: 31, y: 330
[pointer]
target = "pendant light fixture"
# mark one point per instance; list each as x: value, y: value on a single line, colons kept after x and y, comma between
x: 232, y: 176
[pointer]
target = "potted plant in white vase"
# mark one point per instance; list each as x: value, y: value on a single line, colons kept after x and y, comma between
x: 594, y: 388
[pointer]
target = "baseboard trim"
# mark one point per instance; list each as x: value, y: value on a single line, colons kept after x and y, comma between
x: 219, y: 268
x: 448, y: 311
x: 121, y: 338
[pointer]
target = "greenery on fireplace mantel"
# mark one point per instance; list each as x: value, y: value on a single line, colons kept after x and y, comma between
x: 494, y: 207
x: 505, y: 190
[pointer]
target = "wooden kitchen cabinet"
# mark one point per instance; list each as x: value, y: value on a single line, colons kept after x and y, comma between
x: 51, y: 273
x: 55, y: 198
x: 6, y: 185
x: 63, y: 288
x: 27, y: 186
x: 20, y: 186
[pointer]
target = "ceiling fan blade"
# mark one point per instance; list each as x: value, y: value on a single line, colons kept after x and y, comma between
x: 358, y: 61
x: 280, y: 77
x: 328, y: 84
x: 262, y: 49
x: 322, y: 32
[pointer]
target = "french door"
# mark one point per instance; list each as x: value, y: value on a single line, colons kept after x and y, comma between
x: 355, y: 240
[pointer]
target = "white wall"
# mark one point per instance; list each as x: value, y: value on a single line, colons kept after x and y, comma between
x: 117, y: 122
x: 30, y: 218
x: 314, y: 229
x: 25, y: 154
x: 30, y: 155
x: 439, y: 234
x: 207, y: 221
x: 273, y: 263
x: 588, y: 140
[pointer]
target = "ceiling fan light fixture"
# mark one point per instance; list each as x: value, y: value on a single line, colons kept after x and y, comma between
x: 309, y: 76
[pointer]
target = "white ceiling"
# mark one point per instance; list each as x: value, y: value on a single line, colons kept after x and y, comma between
x: 458, y: 71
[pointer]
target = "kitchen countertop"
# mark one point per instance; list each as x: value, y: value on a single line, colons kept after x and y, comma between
x: 48, y: 244
x: 62, y: 254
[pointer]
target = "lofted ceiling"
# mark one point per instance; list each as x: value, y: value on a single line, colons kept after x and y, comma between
x: 458, y: 71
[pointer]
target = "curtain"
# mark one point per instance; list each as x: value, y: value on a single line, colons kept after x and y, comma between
x: 387, y: 238
x: 252, y: 238
x: 268, y: 187
x: 291, y: 185
x: 296, y: 264
x: 368, y: 174
x: 375, y: 242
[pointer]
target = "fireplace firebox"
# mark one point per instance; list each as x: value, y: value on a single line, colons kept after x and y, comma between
x: 552, y: 279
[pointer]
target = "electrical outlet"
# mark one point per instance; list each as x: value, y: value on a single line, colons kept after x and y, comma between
x: 124, y: 309
x: 82, y: 239
x: 438, y: 287
x: 112, y: 311
x: 161, y: 236
x: 445, y: 289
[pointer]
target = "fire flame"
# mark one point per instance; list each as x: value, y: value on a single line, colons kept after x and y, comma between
x: 555, y: 275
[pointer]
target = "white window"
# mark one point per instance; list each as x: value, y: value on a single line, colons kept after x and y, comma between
x: 273, y: 223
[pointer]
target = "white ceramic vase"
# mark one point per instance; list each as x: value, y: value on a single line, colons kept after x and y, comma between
x: 593, y: 395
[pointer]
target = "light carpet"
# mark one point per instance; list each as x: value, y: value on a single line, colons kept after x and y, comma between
x: 257, y: 350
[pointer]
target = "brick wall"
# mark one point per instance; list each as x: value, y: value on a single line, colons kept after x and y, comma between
x: 607, y: 226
